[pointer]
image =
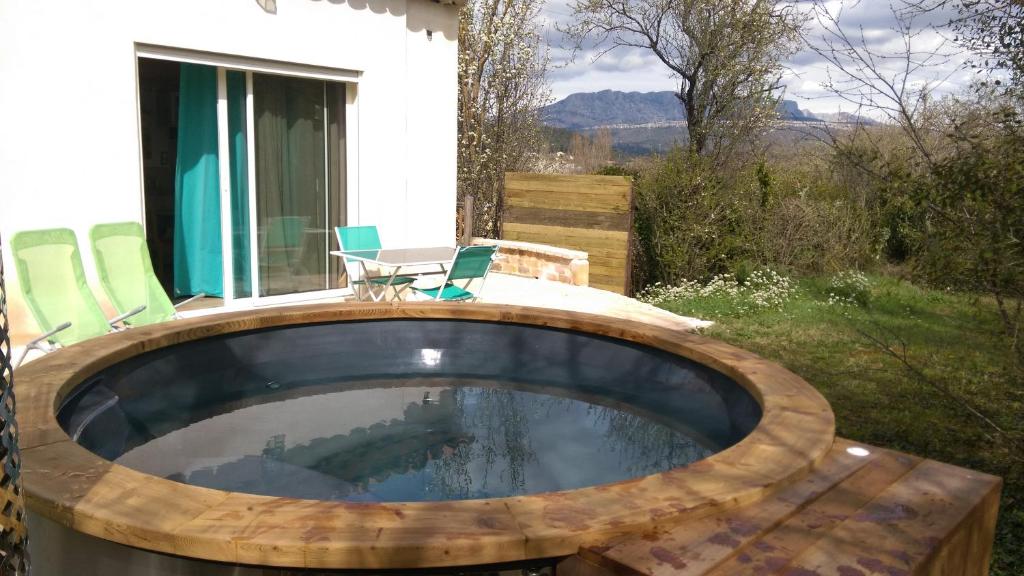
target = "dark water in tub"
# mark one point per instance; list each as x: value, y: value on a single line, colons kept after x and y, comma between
x: 407, y: 410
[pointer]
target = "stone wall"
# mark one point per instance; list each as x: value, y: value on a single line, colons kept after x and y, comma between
x: 539, y: 261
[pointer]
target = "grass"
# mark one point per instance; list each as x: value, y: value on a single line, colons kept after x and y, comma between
x: 954, y: 340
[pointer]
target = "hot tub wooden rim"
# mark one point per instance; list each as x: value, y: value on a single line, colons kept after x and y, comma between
x: 74, y: 487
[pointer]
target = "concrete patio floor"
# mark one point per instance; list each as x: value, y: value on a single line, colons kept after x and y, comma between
x: 518, y: 290
x: 508, y: 289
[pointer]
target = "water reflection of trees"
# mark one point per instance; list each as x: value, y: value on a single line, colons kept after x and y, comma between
x: 476, y: 441
x: 500, y: 421
x: 644, y: 446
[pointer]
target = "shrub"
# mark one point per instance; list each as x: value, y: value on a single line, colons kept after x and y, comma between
x: 687, y: 225
x: 850, y: 288
x: 695, y: 220
x: 764, y: 289
x: 976, y: 196
x: 617, y: 170
x: 813, y: 235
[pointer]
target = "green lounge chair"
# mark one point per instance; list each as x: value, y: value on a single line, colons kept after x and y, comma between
x: 126, y: 273
x: 353, y: 238
x: 470, y: 263
x: 52, y: 279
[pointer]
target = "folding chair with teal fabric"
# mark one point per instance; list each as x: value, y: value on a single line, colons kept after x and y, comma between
x: 470, y: 263
x: 52, y: 280
x: 126, y: 273
x: 356, y: 238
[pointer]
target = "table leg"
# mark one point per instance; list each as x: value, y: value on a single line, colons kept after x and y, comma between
x: 367, y: 284
x: 391, y: 282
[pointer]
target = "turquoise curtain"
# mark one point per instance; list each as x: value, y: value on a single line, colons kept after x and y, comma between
x: 197, y: 239
x: 239, y: 185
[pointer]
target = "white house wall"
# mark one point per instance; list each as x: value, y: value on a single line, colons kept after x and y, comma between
x: 69, y: 133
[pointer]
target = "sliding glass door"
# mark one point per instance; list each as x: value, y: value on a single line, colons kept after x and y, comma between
x: 260, y: 181
x: 297, y: 207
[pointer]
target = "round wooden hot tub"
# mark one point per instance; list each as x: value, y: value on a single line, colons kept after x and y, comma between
x: 86, y: 510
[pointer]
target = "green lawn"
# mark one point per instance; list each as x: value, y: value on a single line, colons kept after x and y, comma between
x: 953, y: 339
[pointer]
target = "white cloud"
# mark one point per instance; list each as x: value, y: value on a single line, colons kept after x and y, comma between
x: 639, y: 70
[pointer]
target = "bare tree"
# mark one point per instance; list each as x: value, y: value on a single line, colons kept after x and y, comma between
x: 591, y: 153
x: 727, y: 54
x: 501, y: 89
x: 895, y: 83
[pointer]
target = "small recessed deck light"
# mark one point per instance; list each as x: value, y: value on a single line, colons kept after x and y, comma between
x: 858, y: 451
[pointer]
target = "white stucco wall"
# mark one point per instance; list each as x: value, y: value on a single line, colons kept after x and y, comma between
x: 69, y: 134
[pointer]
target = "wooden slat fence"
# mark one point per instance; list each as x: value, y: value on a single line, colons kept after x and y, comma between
x: 588, y: 213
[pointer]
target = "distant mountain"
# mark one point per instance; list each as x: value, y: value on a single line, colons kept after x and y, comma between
x: 846, y: 118
x: 612, y: 108
x: 789, y: 110
x: 608, y: 107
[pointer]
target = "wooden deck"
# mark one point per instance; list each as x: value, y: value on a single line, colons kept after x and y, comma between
x: 886, y: 513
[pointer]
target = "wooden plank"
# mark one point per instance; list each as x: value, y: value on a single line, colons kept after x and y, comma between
x: 344, y: 531
x: 609, y: 258
x: 906, y: 527
x: 614, y: 281
x: 611, y: 268
x: 599, y: 193
x: 599, y: 280
x: 895, y: 514
x: 612, y: 200
x: 615, y: 288
x: 468, y: 212
x: 568, y: 177
x: 631, y: 243
x: 569, y: 218
x: 813, y: 522
x: 572, y: 185
x: 619, y: 252
x: 114, y: 502
x: 574, y: 238
x: 542, y: 199
x: 699, y: 547
x: 617, y: 264
x: 568, y: 183
x: 969, y: 550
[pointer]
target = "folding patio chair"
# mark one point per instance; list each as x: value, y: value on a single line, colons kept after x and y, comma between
x: 52, y: 279
x: 126, y: 273
x: 470, y: 263
x: 353, y: 238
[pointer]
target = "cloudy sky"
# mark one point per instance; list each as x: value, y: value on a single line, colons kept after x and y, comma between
x: 638, y: 70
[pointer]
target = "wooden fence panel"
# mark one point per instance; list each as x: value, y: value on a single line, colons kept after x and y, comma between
x: 589, y: 213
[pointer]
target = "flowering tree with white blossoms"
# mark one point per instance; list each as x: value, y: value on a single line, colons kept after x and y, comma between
x: 502, y: 64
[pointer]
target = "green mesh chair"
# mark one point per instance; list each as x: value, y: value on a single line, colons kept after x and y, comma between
x: 470, y: 263
x: 354, y: 238
x: 126, y: 273
x: 53, y: 282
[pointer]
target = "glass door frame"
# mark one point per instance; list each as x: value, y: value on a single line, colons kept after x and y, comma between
x: 224, y: 63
